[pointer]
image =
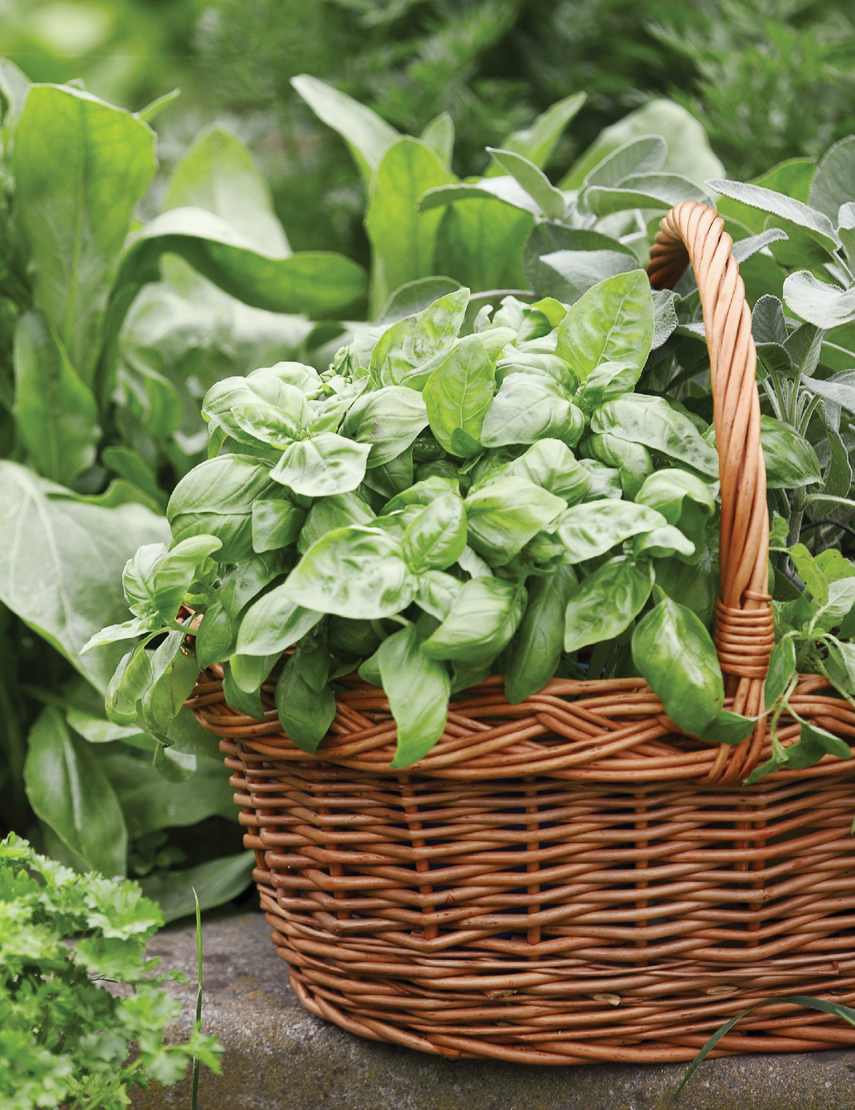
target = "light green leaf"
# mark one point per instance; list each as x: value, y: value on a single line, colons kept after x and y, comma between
x: 595, y: 527
x: 56, y: 415
x: 366, y: 134
x: 791, y: 461
x: 815, y: 224
x: 606, y: 602
x: 439, y: 136
x: 437, y: 537
x: 80, y: 167
x: 418, y: 689
x: 535, y: 182
x: 504, y: 515
x: 458, y: 394
x: 482, y: 621
x: 657, y: 191
x: 538, y: 141
x: 322, y: 466
x: 402, y: 237
x: 388, y: 420
x: 612, y: 322
x: 526, y: 409
x: 826, y: 306
x: 646, y: 154
x: 832, y: 183
x: 70, y: 793
x: 408, y: 352
x: 652, y: 422
x: 215, y: 883
x: 273, y: 623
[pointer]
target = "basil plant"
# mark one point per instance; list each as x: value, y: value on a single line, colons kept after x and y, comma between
x: 461, y: 493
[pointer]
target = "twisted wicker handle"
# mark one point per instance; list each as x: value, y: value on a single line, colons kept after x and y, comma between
x: 694, y: 233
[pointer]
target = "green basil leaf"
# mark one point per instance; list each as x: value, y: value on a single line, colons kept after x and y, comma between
x: 437, y: 537
x: 273, y: 623
x: 322, y: 466
x: 594, y: 528
x: 418, y: 689
x: 128, y: 684
x: 458, y: 394
x: 532, y: 364
x: 791, y: 461
x: 216, y: 499
x: 329, y: 513
x: 249, y: 704
x: 503, y: 516
x: 482, y: 621
x: 815, y: 738
x: 388, y: 420
x: 354, y: 572
x: 175, y: 767
x: 262, y: 409
x: 409, y: 351
x: 606, y: 602
x: 612, y: 322
x: 632, y: 460
x: 549, y: 463
x: 728, y: 728
x: 524, y: 410
x: 675, y: 654
x: 173, y: 676
x: 215, y: 637
x: 437, y: 593
x: 275, y: 524
x: 422, y: 493
x: 841, y: 600
x: 810, y: 572
x: 537, y: 646
x: 782, y: 669
x: 652, y: 422
x: 605, y: 382
x: 663, y: 542
x: 249, y: 578
x: 304, y: 713
x: 174, y: 573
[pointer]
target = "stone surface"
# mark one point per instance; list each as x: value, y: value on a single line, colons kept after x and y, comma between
x: 279, y: 1057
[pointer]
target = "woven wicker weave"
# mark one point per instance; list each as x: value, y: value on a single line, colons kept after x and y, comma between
x: 570, y: 879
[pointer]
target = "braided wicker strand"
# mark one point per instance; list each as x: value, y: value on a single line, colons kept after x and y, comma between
x: 745, y: 635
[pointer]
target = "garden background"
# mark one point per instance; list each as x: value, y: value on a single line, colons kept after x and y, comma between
x: 97, y: 449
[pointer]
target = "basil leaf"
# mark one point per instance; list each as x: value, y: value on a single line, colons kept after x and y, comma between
x: 176, y: 570
x: 249, y: 578
x: 503, y: 516
x: 537, y: 646
x: 437, y: 537
x: 606, y: 602
x: 304, y: 713
x: 594, y: 528
x: 354, y: 572
x: 549, y: 463
x: 173, y: 676
x: 652, y: 422
x: 322, y: 466
x: 418, y: 689
x: 482, y: 621
x: 782, y: 669
x: 409, y: 351
x: 273, y: 623
x: 458, y: 394
x: 728, y: 728
x: 216, y: 499
x: 437, y: 593
x: 524, y: 410
x: 632, y: 460
x: 612, y: 322
x: 275, y: 524
x: 329, y: 513
x: 388, y: 420
x: 257, y: 410
x: 215, y: 637
x: 675, y: 654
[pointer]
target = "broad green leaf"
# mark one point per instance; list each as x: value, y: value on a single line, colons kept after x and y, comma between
x: 439, y: 136
x: 507, y: 190
x: 810, y: 572
x: 80, y: 167
x: 782, y: 669
x: 56, y: 415
x: 215, y: 637
x: 217, y: 173
x: 127, y: 685
x: 683, y: 499
x: 503, y: 516
x: 437, y: 593
x: 838, y: 389
x: 252, y: 411
x: 329, y: 513
x: 249, y: 577
x: 437, y: 537
x: 402, y: 237
x: 216, y: 499
x: 841, y: 600
x: 689, y: 150
x: 612, y: 322
x: 535, y: 182
x: 216, y: 882
x: 815, y: 224
x: 604, y: 383
x: 537, y: 646
x: 832, y: 182
x: 551, y: 464
x: 675, y: 654
x: 322, y: 466
x: 655, y: 191
x: 275, y: 524
x: 480, y: 241
x: 664, y: 542
x: 826, y: 306
x: 768, y: 324
x: 564, y: 262
x: 388, y: 420
x: 418, y: 689
x: 482, y: 621
x: 594, y: 528
x: 273, y: 623
x: 174, y: 573
x: 632, y: 459
x: 173, y: 676
x: 70, y: 793
x: 526, y: 409
x: 61, y: 564
x: 408, y: 352
x: 315, y: 282
x: 458, y: 394
x: 353, y: 572
x: 728, y: 728
x: 652, y: 422
x: 304, y: 713
x: 250, y: 672
x: 606, y: 602
x: 791, y: 461
x: 538, y: 141
x: 646, y: 154
x: 838, y: 476
x: 414, y: 297
x: 367, y: 135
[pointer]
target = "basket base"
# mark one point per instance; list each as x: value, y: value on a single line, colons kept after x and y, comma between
x: 561, y: 1012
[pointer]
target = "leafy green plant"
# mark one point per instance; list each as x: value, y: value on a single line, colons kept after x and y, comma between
x: 65, y: 1038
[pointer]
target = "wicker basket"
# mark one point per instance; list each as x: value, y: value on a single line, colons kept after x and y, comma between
x: 570, y: 879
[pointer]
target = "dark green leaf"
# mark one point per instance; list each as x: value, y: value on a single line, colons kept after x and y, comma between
x: 782, y: 668
x: 418, y: 689
x: 482, y: 621
x: 304, y: 713
x: 537, y: 646
x: 215, y: 883
x: 272, y: 623
x: 791, y: 461
x: 215, y: 638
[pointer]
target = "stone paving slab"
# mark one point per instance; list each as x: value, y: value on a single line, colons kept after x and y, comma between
x: 279, y: 1057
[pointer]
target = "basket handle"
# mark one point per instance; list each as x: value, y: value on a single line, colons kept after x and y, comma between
x: 694, y: 233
